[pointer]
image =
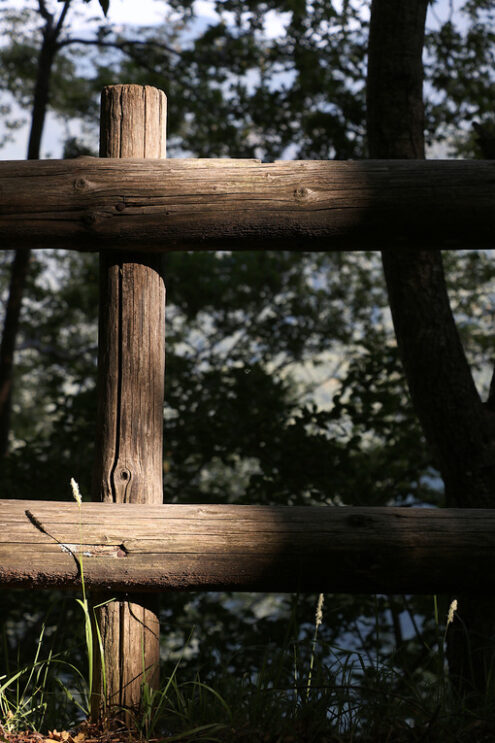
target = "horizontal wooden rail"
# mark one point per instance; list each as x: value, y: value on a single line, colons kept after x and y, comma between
x: 90, y: 204
x: 130, y: 547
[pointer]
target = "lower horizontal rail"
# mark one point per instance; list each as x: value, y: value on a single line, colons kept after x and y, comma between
x: 134, y: 548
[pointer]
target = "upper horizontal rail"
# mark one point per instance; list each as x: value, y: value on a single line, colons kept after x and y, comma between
x: 93, y: 204
x: 131, y: 547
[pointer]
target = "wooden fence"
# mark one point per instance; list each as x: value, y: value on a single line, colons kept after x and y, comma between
x: 141, y: 205
x: 132, y: 548
x: 130, y: 210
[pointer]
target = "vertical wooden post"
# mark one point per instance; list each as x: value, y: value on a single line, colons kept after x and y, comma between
x: 131, y: 367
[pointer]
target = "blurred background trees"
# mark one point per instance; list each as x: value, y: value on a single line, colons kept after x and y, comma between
x: 283, y: 382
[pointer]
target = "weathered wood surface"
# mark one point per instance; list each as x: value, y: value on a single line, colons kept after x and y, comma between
x: 261, y: 548
x: 147, y: 205
x: 131, y: 371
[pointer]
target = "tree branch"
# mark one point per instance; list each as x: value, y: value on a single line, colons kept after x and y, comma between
x: 121, y: 45
x: 62, y: 17
x: 44, y: 12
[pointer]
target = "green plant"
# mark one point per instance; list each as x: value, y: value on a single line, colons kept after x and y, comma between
x: 318, y: 621
x: 173, y: 707
x: 89, y: 613
x: 22, y: 693
x: 90, y: 619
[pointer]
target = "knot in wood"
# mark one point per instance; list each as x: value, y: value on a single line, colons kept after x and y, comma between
x: 120, y: 206
x: 358, y: 520
x: 301, y: 193
x: 81, y: 184
x: 89, y: 220
x: 125, y: 474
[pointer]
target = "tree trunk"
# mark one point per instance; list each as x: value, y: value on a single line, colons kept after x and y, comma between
x: 459, y: 429
x: 41, y: 98
x: 20, y: 264
x: 131, y: 357
x: 19, y: 271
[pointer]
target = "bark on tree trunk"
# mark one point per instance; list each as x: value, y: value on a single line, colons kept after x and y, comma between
x: 458, y: 427
x: 131, y: 367
x: 19, y: 271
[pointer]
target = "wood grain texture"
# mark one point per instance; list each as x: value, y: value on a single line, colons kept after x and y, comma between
x: 131, y: 368
x: 133, y: 548
x: 88, y: 204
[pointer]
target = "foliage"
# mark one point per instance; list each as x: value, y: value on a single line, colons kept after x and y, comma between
x: 459, y: 68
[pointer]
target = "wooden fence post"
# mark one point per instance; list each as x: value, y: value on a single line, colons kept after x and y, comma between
x: 131, y: 367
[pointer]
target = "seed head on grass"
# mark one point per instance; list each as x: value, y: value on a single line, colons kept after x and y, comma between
x: 75, y: 491
x: 318, y: 621
x: 319, y: 611
x: 452, y: 611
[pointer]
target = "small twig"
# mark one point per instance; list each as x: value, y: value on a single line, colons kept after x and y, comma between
x: 123, y: 45
x: 61, y: 19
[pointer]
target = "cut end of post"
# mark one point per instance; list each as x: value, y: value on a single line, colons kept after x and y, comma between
x: 128, y: 111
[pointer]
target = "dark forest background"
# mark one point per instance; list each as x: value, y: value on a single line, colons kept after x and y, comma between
x: 284, y: 383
